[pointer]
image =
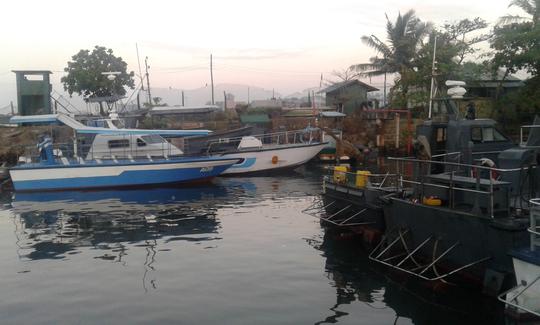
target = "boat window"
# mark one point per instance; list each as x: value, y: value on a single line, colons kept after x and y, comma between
x: 140, y: 143
x: 118, y: 124
x: 492, y: 134
x: 441, y: 134
x: 476, y: 134
x: 120, y: 143
x: 153, y: 138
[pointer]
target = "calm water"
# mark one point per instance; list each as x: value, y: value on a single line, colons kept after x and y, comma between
x: 238, y: 251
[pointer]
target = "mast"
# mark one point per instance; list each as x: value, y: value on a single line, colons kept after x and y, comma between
x: 432, y: 77
x: 139, y: 63
x: 148, y: 81
x: 212, y: 78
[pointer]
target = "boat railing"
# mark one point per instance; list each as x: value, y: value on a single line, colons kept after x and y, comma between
x: 513, y: 297
x: 534, y: 228
x: 303, y: 136
x: 482, y: 188
x: 81, y: 152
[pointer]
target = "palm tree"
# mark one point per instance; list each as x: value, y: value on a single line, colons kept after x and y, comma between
x: 404, y: 37
x: 531, y: 7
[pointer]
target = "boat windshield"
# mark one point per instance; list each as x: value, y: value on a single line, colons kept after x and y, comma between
x: 153, y: 138
x: 118, y: 124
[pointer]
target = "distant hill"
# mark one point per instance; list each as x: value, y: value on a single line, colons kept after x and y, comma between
x: 201, y: 96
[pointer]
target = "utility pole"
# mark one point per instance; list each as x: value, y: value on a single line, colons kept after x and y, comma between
x: 148, y: 81
x: 224, y: 101
x: 183, y: 98
x: 248, y: 96
x: 212, y: 78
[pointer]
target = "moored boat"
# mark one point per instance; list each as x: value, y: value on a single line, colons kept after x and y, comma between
x: 524, y: 299
x: 456, y: 228
x: 269, y: 152
x: 53, y: 171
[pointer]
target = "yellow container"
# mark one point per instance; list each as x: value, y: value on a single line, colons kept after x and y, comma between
x: 434, y: 201
x: 362, y: 178
x: 340, y: 174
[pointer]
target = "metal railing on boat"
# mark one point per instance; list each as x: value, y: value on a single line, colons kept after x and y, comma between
x: 80, y: 152
x: 511, y: 296
x: 459, y: 173
x: 304, y: 136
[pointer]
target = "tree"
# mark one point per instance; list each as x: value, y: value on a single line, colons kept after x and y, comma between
x: 404, y: 37
x: 516, y: 39
x: 85, y: 74
x: 343, y: 75
x: 457, y: 34
x: 516, y: 47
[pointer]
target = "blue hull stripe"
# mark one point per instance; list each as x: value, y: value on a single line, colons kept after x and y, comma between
x: 127, y: 178
x: 248, y: 162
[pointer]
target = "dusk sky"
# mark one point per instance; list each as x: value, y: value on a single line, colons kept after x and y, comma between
x: 278, y: 44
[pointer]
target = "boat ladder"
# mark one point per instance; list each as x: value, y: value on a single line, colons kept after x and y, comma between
x: 344, y: 217
x: 395, y: 252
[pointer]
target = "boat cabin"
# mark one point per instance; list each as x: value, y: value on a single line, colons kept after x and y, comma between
x: 447, y: 133
x: 106, y: 146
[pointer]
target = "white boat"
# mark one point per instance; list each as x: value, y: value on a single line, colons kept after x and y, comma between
x: 525, y: 297
x: 269, y: 152
x: 52, y: 170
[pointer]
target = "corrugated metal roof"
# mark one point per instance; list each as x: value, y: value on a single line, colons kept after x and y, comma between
x: 333, y: 114
x: 348, y: 83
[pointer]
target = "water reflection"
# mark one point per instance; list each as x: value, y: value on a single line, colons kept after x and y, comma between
x: 57, y: 224
x: 52, y: 225
x: 356, y: 279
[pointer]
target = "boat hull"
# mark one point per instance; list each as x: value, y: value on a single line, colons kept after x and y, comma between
x: 477, y: 237
x: 121, y: 174
x: 266, y: 159
x: 354, y: 209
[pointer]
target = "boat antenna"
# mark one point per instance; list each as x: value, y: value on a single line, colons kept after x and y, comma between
x: 433, y: 68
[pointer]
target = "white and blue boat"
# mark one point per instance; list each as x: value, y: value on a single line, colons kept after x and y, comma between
x: 524, y: 299
x: 269, y: 152
x: 122, y: 165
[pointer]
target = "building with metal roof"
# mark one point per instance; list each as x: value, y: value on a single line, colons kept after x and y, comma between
x: 347, y: 96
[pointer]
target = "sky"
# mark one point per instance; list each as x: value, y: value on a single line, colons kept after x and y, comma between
x: 281, y: 44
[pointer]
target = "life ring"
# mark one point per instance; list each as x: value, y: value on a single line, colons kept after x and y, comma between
x: 486, y: 162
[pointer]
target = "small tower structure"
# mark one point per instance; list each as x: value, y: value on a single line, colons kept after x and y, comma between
x: 33, y: 92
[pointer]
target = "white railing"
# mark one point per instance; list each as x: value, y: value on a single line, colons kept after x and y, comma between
x: 534, y: 227
x: 304, y: 136
x: 78, y: 152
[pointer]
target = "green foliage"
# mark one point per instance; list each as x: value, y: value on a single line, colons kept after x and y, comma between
x: 517, y: 47
x: 519, y: 107
x: 404, y: 38
x: 84, y: 74
x: 516, y: 41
